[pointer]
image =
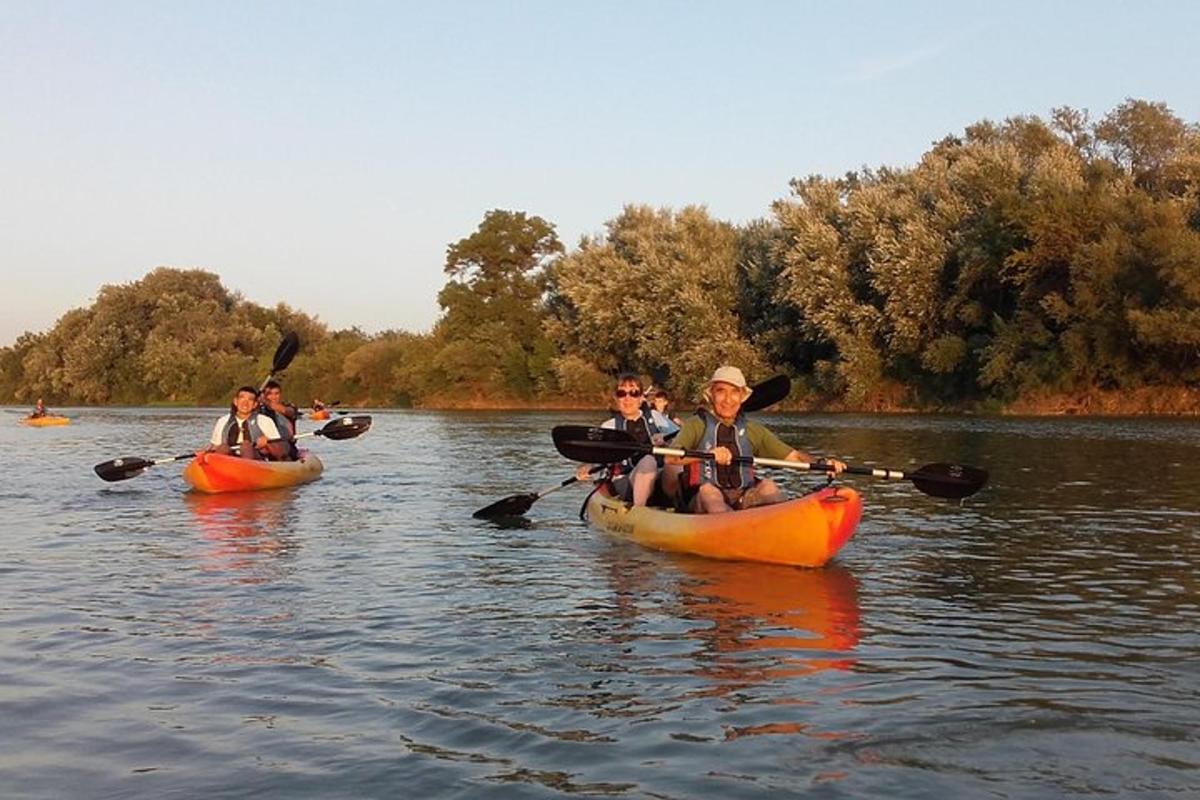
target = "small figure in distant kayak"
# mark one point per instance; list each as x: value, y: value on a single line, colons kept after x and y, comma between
x: 246, y: 428
x: 716, y: 485
x: 317, y: 405
x: 39, y: 410
x: 282, y: 414
x: 636, y: 476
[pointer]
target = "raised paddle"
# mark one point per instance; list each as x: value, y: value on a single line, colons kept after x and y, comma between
x: 122, y: 469
x: 284, y: 353
x: 768, y: 393
x: 601, y: 445
x: 763, y: 394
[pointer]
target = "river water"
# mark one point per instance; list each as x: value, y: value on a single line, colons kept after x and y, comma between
x: 364, y: 637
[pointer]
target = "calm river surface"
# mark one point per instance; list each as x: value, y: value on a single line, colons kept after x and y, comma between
x: 364, y: 637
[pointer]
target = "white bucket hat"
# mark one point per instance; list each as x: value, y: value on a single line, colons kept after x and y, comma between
x: 732, y: 376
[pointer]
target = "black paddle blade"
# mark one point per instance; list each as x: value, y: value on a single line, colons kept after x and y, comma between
x: 768, y: 393
x: 285, y: 352
x: 513, y: 506
x: 951, y: 481
x: 122, y: 469
x: 593, y: 445
x: 345, y: 427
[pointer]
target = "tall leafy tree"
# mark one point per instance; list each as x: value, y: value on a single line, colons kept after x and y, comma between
x: 490, y: 331
x: 658, y: 294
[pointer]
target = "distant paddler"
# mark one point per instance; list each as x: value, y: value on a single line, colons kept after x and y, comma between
x: 41, y: 418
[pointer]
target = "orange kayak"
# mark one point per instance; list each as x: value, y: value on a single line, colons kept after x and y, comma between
x: 46, y: 421
x: 319, y: 415
x: 805, y: 532
x: 213, y: 473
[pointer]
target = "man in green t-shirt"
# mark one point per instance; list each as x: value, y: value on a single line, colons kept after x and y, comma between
x: 722, y: 429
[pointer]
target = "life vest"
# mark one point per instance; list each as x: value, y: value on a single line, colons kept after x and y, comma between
x: 232, y: 431
x: 286, y: 427
x: 734, y: 476
x: 622, y: 424
x: 631, y: 426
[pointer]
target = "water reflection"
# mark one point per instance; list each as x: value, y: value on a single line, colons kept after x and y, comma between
x: 247, y: 532
x: 767, y: 622
x: 747, y: 624
x: 773, y: 609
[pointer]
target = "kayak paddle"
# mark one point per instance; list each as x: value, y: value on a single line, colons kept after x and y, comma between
x: 288, y: 347
x: 763, y: 394
x: 601, y: 445
x: 517, y: 504
x: 768, y: 393
x: 122, y: 469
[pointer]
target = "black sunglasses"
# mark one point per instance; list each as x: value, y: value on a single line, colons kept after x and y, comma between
x: 630, y: 393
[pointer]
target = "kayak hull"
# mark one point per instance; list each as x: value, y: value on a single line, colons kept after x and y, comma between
x: 213, y: 473
x: 317, y: 416
x: 47, y: 421
x: 806, y: 531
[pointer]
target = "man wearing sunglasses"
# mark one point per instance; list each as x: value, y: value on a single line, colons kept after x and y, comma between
x: 635, y: 477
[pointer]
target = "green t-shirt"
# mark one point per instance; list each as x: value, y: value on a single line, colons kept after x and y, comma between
x: 764, y: 443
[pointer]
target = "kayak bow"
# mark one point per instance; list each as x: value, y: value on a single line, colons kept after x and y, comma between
x: 213, y: 472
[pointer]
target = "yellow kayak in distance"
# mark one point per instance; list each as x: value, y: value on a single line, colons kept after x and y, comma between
x: 50, y: 420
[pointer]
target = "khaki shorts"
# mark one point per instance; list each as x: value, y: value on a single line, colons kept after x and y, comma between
x: 734, y: 498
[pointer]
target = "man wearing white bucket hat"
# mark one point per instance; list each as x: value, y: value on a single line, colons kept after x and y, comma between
x: 711, y: 486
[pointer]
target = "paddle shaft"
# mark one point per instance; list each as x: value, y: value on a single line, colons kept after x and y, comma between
x: 759, y: 462
x: 568, y: 481
x: 234, y: 448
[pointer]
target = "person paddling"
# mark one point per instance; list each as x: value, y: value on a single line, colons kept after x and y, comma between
x: 282, y: 414
x: 635, y: 481
x: 245, y: 427
x: 39, y: 410
x: 716, y: 485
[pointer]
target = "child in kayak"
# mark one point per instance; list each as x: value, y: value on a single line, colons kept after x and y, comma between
x: 660, y: 400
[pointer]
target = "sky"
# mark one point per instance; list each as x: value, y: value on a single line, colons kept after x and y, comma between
x: 325, y: 154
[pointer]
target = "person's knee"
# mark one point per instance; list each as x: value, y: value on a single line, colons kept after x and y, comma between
x: 647, y: 464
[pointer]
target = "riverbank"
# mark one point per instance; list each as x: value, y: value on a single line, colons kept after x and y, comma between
x: 1174, y: 401
x: 1169, y: 401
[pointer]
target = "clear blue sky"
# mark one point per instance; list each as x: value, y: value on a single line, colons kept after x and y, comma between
x: 325, y: 154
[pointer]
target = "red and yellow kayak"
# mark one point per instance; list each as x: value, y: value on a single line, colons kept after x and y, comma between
x: 213, y: 473
x: 46, y: 421
x: 804, y: 532
x: 319, y: 415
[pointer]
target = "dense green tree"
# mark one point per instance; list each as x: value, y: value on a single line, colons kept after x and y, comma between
x: 657, y: 294
x: 1014, y: 259
x: 491, y: 327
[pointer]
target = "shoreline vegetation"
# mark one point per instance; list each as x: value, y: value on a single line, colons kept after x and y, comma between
x: 1176, y: 401
x: 1027, y: 267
